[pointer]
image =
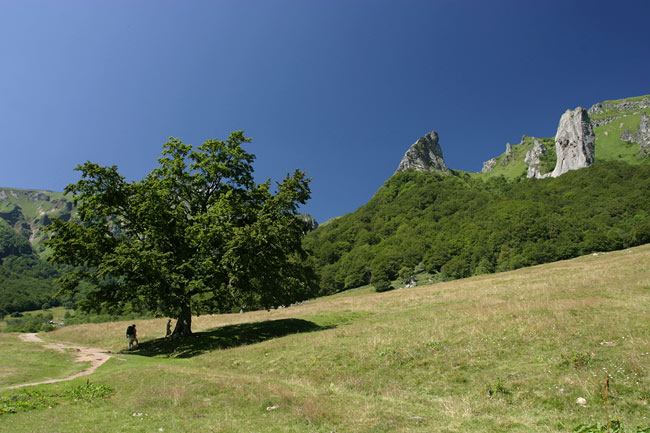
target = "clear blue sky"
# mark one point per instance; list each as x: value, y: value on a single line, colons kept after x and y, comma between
x: 338, y: 88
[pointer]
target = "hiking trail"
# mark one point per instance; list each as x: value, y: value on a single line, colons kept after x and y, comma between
x: 95, y: 356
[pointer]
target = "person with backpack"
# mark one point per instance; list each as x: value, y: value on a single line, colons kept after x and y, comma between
x: 169, y: 328
x: 131, y: 334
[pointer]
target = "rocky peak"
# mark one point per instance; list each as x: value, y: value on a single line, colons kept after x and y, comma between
x: 424, y: 155
x: 574, y: 142
x: 310, y: 222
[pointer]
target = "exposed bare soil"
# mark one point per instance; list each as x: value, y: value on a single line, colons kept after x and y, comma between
x: 95, y: 356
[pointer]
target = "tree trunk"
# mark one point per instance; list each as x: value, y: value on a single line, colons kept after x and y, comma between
x: 183, y: 326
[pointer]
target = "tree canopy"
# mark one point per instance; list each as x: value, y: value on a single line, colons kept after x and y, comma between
x: 196, y: 235
x: 461, y: 225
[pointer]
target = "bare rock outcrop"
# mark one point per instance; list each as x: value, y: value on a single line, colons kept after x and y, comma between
x: 574, y: 142
x: 489, y: 165
x: 534, y: 160
x: 507, y: 156
x: 424, y: 155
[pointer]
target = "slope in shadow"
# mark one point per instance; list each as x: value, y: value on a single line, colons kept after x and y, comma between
x: 226, y: 337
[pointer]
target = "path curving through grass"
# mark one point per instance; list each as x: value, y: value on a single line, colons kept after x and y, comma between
x: 95, y: 356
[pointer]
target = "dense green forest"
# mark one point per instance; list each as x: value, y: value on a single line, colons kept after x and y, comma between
x: 26, y: 281
x: 461, y: 225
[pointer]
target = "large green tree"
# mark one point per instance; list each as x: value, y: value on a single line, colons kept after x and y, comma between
x: 196, y: 235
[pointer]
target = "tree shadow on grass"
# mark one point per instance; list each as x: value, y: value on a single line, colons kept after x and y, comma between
x: 226, y: 337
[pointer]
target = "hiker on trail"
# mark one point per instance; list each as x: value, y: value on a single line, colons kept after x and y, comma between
x: 131, y: 334
x: 169, y: 328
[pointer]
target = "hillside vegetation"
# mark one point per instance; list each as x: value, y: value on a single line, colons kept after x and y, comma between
x: 26, y: 282
x: 457, y: 226
x: 507, y: 352
x: 512, y: 165
x: 464, y: 224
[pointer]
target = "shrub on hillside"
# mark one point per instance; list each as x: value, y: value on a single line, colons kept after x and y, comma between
x: 383, y: 286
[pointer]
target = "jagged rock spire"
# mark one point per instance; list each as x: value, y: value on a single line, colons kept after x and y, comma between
x: 424, y: 155
x: 574, y: 142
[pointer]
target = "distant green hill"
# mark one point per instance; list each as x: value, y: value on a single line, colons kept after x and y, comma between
x: 26, y: 281
x: 29, y: 211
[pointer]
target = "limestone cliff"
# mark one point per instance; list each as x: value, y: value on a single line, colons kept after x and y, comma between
x: 574, y: 142
x: 424, y: 155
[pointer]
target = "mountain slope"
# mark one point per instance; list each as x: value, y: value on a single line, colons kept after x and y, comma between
x: 27, y: 281
x: 456, y: 225
x: 460, y: 224
x: 29, y: 211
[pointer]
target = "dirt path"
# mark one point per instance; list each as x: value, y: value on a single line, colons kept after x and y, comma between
x: 96, y: 357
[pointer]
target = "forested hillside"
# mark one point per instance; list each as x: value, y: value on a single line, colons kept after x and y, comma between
x: 460, y: 225
x: 26, y: 281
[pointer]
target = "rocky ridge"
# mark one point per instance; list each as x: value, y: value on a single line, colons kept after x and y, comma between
x: 424, y: 155
x: 603, y: 113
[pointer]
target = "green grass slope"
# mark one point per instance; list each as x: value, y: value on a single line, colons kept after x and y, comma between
x: 513, y: 165
x: 507, y: 352
x: 610, y: 147
x: 22, y: 362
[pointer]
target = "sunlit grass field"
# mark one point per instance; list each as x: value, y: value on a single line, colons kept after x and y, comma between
x: 29, y: 362
x: 508, y: 352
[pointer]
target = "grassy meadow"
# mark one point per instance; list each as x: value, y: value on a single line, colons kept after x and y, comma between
x: 29, y: 362
x: 507, y: 352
